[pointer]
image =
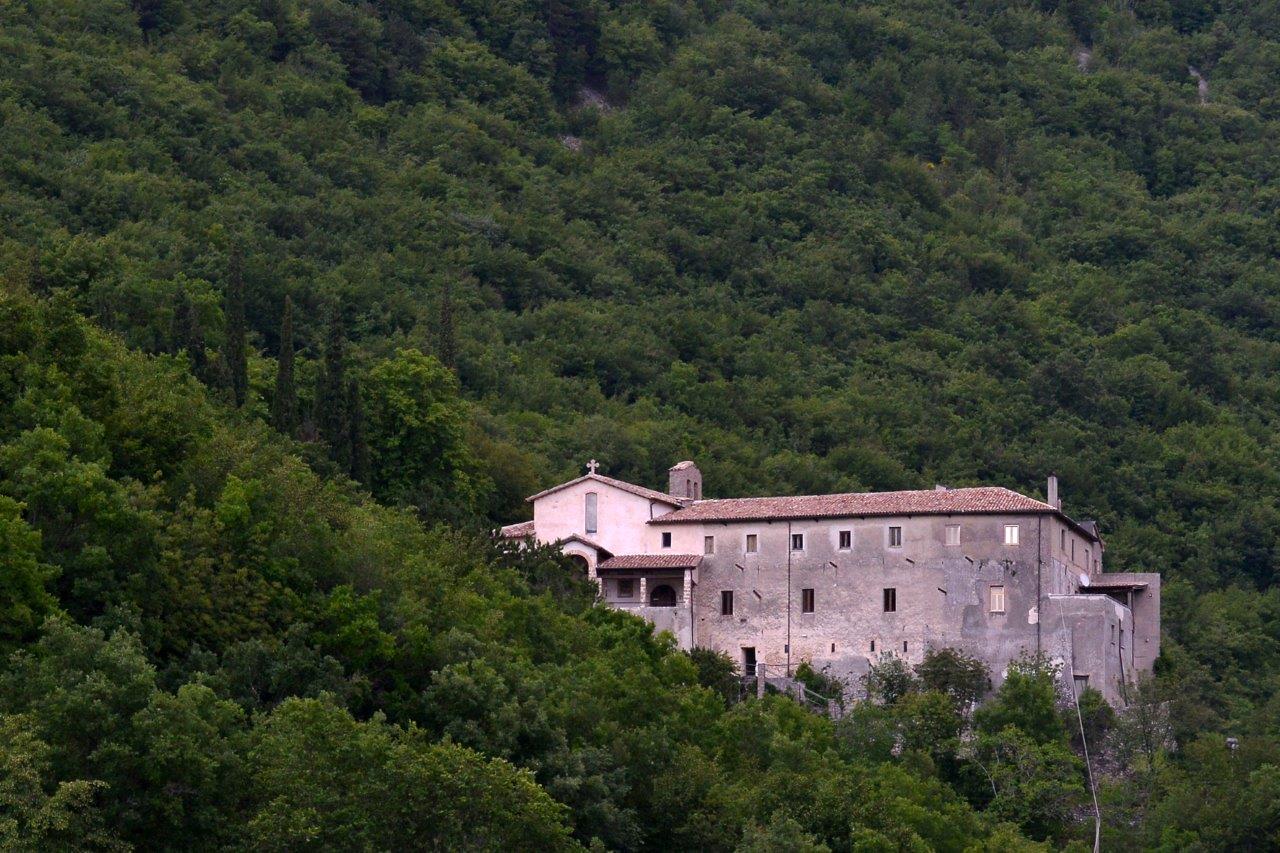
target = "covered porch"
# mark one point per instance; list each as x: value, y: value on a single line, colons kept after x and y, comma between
x: 655, y: 587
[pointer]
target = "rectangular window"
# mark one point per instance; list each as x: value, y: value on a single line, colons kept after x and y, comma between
x: 953, y: 534
x: 890, y: 600
x: 1011, y: 534
x: 895, y: 537
x: 904, y: 646
x: 1063, y: 535
x: 753, y: 544
x: 666, y: 539
x: 1073, y: 550
x: 1088, y: 559
x: 708, y: 544
x: 873, y: 645
x: 626, y: 588
x: 997, y: 599
x: 592, y: 502
x: 1082, y: 683
x: 806, y: 601
x: 797, y: 541
x: 846, y: 540
x: 726, y: 602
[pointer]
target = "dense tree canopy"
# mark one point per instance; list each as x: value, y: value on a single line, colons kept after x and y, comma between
x: 815, y: 245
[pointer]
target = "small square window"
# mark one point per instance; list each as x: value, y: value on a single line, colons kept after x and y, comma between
x: 997, y: 599
x: 891, y: 600
x: 626, y: 588
x: 753, y: 543
x: 895, y: 537
x: 797, y: 541
x: 708, y: 544
x: 726, y: 602
x: 666, y: 539
x: 953, y: 534
x: 806, y: 601
x: 1011, y: 535
x: 846, y: 540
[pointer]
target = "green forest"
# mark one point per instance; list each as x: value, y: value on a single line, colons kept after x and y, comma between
x: 301, y: 298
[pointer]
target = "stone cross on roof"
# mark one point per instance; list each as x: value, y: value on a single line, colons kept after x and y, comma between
x: 592, y: 466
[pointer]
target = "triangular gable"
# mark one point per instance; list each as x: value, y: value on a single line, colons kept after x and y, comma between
x: 622, y: 485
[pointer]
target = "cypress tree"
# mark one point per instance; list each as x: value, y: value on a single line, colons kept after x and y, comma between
x: 446, y: 342
x: 234, y: 355
x: 188, y: 336
x: 284, y: 408
x: 331, y: 394
x: 359, y: 445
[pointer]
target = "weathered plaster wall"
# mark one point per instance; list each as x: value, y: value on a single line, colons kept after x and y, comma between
x: 1092, y: 635
x: 942, y: 591
x: 622, y: 517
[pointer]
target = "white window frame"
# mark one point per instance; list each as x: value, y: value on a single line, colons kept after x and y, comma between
x: 1012, y: 534
x: 794, y: 537
x: 841, y: 544
x: 996, y: 595
x: 950, y: 540
x: 895, y: 529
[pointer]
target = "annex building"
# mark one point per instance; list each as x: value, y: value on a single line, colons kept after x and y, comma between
x: 838, y: 580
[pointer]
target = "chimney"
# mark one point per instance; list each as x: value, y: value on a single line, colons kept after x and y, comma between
x: 684, y: 480
x: 1053, y: 499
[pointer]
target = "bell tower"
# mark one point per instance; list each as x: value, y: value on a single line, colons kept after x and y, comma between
x: 684, y: 480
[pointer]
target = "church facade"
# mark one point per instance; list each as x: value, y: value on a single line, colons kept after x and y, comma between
x: 840, y: 580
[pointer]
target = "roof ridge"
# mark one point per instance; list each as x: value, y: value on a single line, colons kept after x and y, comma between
x: 951, y: 489
x: 640, y: 491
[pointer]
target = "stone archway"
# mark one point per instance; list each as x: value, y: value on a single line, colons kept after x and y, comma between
x: 662, y: 595
x: 580, y: 563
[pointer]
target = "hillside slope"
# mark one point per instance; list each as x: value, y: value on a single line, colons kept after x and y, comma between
x: 814, y: 245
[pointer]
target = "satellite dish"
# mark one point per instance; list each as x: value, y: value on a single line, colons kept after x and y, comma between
x: 1084, y: 580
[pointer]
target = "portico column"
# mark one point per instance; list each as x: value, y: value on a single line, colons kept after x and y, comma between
x: 644, y: 591
x: 594, y: 577
x: 688, y: 587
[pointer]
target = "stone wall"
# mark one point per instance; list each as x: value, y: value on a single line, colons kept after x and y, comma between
x: 943, y: 592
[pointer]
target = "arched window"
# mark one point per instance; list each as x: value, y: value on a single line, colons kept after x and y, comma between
x: 579, y: 563
x: 662, y: 596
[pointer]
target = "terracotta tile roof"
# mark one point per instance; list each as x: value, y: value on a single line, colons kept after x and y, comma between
x: 578, y: 537
x: 651, y: 561
x: 523, y: 530
x: 617, y: 484
x: 984, y: 499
